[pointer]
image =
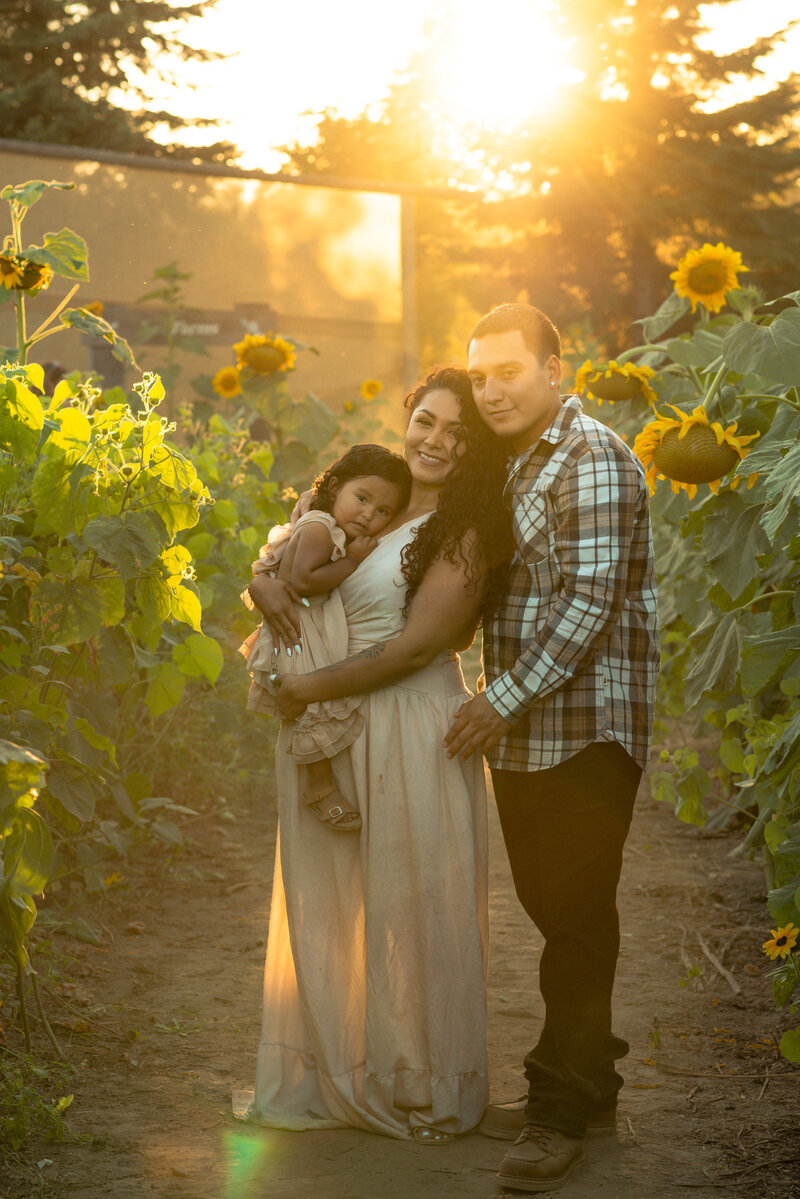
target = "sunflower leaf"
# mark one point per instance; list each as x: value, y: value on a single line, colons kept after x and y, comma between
x: 129, y: 541
x: 165, y: 689
x: 698, y: 351
x: 668, y: 314
x: 766, y: 658
x: 781, y: 904
x: 790, y: 1045
x: 96, y: 326
x: 772, y: 351
x: 25, y: 195
x: 732, y: 541
x: 716, y: 668
x: 784, y: 484
x: 64, y: 252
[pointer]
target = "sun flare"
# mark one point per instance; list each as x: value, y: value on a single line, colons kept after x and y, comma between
x: 501, y: 65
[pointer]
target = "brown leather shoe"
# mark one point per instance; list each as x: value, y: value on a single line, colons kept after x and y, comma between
x: 505, y: 1121
x: 541, y: 1160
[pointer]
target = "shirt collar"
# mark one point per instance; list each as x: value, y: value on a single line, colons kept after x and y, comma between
x: 556, y: 431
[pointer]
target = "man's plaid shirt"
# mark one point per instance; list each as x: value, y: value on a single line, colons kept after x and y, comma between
x: 571, y: 656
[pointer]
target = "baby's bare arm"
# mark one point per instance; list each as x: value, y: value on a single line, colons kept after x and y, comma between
x: 310, y: 569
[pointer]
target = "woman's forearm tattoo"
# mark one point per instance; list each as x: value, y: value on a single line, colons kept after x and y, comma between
x: 372, y: 651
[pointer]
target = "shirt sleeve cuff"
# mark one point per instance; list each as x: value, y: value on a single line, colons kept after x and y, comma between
x: 507, y: 699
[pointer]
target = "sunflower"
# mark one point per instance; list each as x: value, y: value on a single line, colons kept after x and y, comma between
x: 705, y: 276
x: 349, y: 406
x: 782, y: 942
x: 35, y: 277
x: 10, y: 272
x: 611, y: 382
x: 226, y: 383
x: 689, y: 450
x: 371, y: 388
x: 265, y: 355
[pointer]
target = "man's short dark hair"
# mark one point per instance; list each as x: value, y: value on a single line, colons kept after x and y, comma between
x: 538, y: 331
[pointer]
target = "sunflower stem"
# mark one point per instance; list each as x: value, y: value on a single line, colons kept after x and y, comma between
x: 760, y: 395
x: 769, y: 869
x: 22, y: 346
x: 45, y: 1022
x: 23, y: 1011
x: 39, y: 333
x: 714, y: 387
x: 764, y: 595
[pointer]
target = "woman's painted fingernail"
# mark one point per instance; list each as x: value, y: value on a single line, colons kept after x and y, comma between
x: 298, y: 649
x: 305, y: 601
x: 275, y: 651
x: 288, y: 651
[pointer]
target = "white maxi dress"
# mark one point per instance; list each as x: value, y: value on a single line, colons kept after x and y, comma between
x: 374, y: 989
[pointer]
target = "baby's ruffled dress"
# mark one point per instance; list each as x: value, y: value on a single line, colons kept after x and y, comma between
x: 328, y: 727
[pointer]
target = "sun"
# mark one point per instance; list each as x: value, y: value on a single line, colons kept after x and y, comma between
x: 501, y: 65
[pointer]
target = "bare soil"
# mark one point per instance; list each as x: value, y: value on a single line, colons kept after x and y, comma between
x: 162, y: 1019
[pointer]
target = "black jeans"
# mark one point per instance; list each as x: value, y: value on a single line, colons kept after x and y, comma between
x: 564, y: 830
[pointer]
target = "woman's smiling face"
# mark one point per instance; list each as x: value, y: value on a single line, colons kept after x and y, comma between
x: 435, y: 437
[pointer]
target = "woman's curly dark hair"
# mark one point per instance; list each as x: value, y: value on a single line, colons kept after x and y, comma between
x: 359, y: 462
x: 471, y: 502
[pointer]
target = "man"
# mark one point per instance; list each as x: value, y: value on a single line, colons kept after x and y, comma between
x: 570, y: 663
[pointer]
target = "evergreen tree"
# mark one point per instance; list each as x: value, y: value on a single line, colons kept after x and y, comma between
x: 630, y: 168
x: 638, y: 165
x: 61, y: 62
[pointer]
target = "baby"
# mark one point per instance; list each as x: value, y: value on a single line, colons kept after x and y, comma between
x: 353, y: 500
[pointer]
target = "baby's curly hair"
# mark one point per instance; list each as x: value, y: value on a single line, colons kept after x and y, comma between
x: 471, y: 501
x: 357, y: 463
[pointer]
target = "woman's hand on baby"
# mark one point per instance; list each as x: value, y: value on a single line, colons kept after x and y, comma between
x: 361, y: 547
x: 275, y: 600
x: 289, y: 705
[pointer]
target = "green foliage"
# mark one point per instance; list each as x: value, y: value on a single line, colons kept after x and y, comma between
x: 63, y: 254
x: 728, y: 561
x: 296, y: 432
x: 63, y: 63
x: 163, y: 323
x: 29, y: 1101
x: 94, y: 500
x: 121, y: 692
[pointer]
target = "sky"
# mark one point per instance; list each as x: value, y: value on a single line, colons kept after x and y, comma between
x: 289, y: 61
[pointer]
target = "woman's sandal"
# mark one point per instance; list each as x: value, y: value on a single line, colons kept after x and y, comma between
x: 331, y: 807
x: 424, y: 1135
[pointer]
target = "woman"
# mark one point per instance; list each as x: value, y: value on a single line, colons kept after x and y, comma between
x: 374, y: 991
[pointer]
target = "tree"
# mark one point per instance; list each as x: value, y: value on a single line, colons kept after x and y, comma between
x: 61, y: 62
x: 640, y: 164
x: 407, y: 145
x: 634, y: 165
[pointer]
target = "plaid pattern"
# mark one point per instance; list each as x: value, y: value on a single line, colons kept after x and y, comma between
x: 572, y: 656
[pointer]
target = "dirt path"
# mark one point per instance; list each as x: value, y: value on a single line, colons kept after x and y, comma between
x: 172, y: 999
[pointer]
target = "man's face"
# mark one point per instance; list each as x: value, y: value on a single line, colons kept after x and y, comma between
x: 515, y: 394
